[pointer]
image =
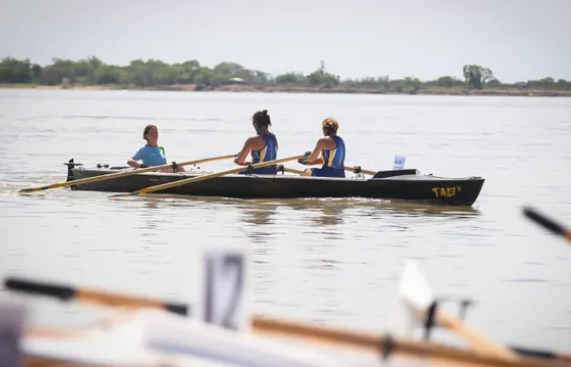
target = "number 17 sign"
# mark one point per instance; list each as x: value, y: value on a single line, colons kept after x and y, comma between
x: 224, y: 284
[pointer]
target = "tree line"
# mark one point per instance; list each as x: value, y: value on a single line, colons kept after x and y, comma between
x: 156, y: 73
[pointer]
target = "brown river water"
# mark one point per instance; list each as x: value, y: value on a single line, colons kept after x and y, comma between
x: 330, y: 261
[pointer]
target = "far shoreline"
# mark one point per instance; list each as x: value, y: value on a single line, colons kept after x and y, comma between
x: 438, y: 91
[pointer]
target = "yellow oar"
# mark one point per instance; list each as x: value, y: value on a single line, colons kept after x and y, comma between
x: 360, y: 170
x: 122, y: 174
x: 203, y: 177
x: 86, y: 295
x: 291, y: 170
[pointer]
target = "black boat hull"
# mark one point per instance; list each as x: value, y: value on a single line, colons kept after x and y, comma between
x: 415, y: 187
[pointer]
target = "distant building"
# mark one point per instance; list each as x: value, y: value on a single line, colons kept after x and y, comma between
x: 237, y: 80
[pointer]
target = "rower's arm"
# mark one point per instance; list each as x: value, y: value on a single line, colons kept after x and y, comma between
x: 315, y: 158
x: 244, y: 152
x: 133, y: 163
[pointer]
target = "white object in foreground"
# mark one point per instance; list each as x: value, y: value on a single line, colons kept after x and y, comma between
x: 168, y: 333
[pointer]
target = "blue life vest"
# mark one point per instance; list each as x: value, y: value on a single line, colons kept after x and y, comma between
x: 268, y: 153
x: 333, y: 160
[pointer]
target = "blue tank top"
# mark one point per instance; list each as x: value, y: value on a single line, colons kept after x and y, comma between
x: 335, y: 158
x: 268, y: 153
x: 151, y: 156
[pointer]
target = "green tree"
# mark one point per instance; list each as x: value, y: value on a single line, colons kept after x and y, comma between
x: 476, y: 76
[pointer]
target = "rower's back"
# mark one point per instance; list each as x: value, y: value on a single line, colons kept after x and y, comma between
x: 269, y: 152
x: 333, y: 157
x: 264, y: 147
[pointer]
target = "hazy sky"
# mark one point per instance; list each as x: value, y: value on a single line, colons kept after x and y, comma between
x: 517, y: 39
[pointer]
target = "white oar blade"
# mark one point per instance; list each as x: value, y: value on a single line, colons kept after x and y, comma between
x: 415, y: 297
x: 414, y: 288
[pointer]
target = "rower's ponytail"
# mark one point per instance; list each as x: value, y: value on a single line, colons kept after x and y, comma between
x: 262, y: 119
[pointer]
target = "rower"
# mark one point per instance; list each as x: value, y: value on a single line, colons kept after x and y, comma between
x: 332, y: 149
x: 151, y: 154
x: 263, y: 146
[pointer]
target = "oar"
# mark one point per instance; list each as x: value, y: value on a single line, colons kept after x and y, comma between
x: 417, y: 295
x: 261, y: 324
x: 86, y: 295
x: 122, y: 174
x: 291, y: 170
x: 547, y: 223
x: 203, y: 177
x: 358, y: 169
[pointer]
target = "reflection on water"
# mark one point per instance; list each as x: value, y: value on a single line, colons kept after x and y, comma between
x: 262, y: 219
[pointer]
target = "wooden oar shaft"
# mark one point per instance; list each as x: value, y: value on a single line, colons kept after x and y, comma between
x: 477, y: 340
x: 122, y: 174
x: 86, y: 295
x: 547, y: 223
x: 291, y: 170
x: 187, y: 181
x: 379, y: 344
x: 359, y: 169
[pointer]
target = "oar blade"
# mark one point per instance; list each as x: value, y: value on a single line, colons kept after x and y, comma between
x: 414, y: 288
x: 414, y: 298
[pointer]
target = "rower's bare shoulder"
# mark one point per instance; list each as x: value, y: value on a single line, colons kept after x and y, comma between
x: 326, y: 142
x: 253, y: 139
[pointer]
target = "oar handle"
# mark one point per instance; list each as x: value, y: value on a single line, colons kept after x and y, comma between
x: 64, y: 293
x: 67, y: 293
x: 547, y: 223
x: 542, y: 353
x: 358, y: 169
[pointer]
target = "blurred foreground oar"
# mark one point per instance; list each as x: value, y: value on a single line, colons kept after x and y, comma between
x: 417, y: 295
x: 121, y: 174
x: 371, y: 342
x: 203, y: 177
x: 67, y: 293
x: 547, y: 223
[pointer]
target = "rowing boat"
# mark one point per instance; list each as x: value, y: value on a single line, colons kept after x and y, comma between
x: 402, y: 184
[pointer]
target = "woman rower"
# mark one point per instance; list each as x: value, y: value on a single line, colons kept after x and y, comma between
x: 332, y: 147
x: 151, y: 154
x: 263, y: 145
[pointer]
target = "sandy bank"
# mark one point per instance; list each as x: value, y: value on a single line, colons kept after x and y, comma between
x: 296, y: 89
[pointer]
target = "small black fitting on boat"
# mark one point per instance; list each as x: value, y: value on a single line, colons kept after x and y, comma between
x: 357, y: 169
x: 99, y: 165
x: 281, y: 168
x: 70, y: 165
x: 387, y: 346
x: 430, y: 318
x: 174, y: 166
x: 464, y: 304
x: 250, y: 169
